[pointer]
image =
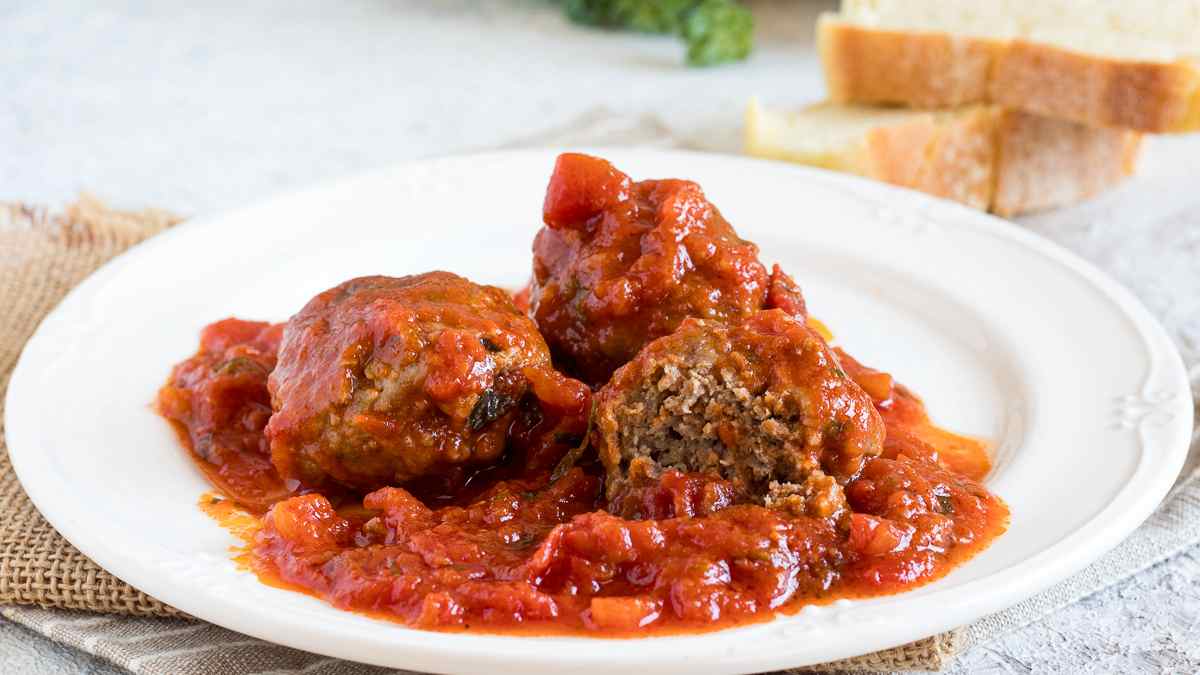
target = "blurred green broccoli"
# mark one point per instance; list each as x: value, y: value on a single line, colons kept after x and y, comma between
x: 716, y: 31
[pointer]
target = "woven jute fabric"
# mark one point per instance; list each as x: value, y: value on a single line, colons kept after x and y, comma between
x: 42, y: 256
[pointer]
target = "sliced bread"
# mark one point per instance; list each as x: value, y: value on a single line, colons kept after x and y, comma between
x: 1109, y: 63
x: 984, y: 156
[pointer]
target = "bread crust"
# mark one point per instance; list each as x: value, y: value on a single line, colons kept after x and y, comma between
x: 938, y: 70
x: 1043, y: 163
x: 952, y: 158
x: 1006, y: 161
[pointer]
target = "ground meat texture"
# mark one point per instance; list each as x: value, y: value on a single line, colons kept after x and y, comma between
x: 620, y: 263
x: 763, y: 403
x: 381, y: 381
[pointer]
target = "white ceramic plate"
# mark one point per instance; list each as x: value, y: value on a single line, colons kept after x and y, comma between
x: 1006, y: 335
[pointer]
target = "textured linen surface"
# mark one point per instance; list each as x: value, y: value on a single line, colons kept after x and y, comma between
x: 41, y: 258
x: 61, y: 577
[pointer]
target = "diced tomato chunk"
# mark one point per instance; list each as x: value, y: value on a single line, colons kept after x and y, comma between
x: 307, y: 523
x: 874, y: 536
x: 624, y: 614
x: 581, y: 187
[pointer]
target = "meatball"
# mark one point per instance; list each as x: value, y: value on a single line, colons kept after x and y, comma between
x: 381, y: 381
x: 762, y: 403
x: 619, y: 264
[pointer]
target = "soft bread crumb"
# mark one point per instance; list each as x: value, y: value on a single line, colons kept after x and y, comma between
x: 1160, y: 31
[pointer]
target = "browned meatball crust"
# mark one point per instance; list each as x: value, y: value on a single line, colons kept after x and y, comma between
x: 384, y: 380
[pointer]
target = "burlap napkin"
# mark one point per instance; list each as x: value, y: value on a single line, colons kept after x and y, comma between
x: 42, y: 256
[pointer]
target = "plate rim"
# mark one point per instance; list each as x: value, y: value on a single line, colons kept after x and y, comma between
x: 1054, y: 566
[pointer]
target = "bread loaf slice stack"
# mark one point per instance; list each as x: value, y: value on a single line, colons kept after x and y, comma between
x: 1008, y: 105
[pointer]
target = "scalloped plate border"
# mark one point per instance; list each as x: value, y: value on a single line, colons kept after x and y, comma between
x: 1153, y: 419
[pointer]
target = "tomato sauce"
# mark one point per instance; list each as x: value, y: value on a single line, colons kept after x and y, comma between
x: 621, y: 263
x: 518, y: 550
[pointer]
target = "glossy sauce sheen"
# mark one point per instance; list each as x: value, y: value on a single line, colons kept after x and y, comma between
x: 513, y: 550
x: 620, y: 263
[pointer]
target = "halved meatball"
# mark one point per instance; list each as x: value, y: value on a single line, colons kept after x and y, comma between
x: 619, y: 264
x: 381, y: 381
x: 763, y: 403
